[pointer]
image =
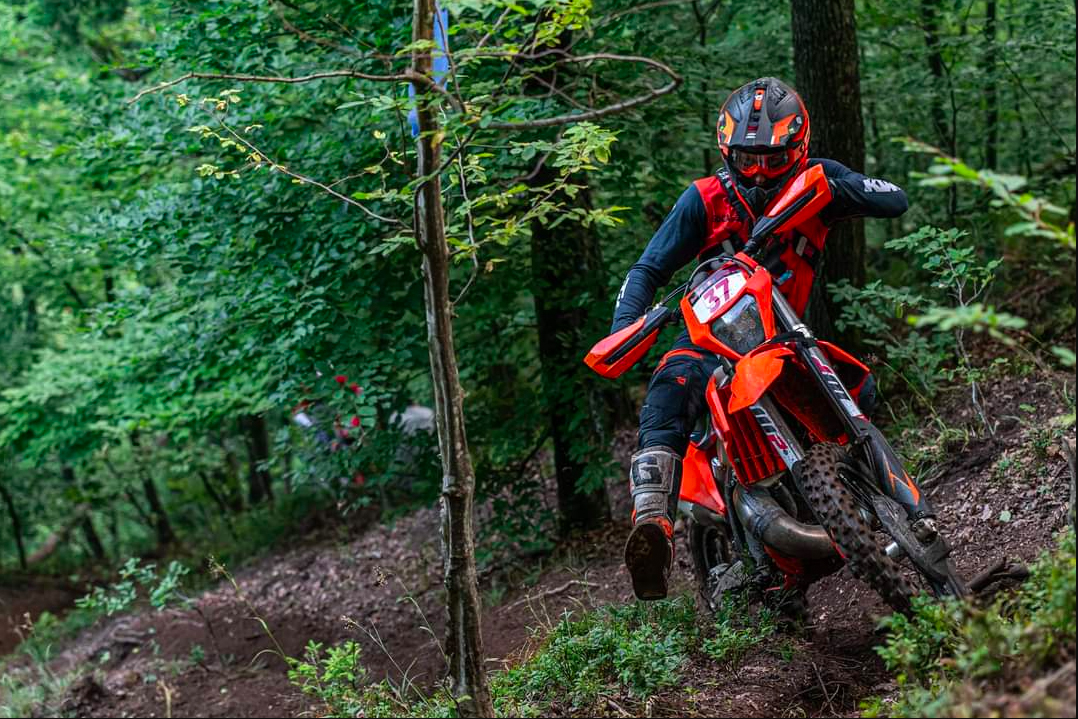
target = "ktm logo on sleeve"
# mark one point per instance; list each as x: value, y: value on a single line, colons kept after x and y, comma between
x: 872, y: 185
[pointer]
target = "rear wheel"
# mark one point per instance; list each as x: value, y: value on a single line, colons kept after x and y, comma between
x: 713, y: 560
x: 840, y: 514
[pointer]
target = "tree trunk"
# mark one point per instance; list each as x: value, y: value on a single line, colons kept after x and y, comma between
x: 16, y: 525
x: 97, y: 548
x: 464, y: 641
x: 228, y: 475
x: 946, y: 132
x: 702, y: 11
x: 31, y: 313
x: 827, y: 70
x: 58, y: 537
x: 565, y: 263
x: 255, y: 435
x: 212, y: 491
x: 930, y: 25
x: 160, y: 522
x: 991, y: 96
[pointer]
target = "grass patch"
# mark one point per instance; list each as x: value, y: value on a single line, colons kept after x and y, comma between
x: 633, y: 651
x: 28, y: 687
x: 638, y: 648
x: 737, y: 629
x: 946, y: 653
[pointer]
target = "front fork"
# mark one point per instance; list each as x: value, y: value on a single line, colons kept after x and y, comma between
x: 892, y: 478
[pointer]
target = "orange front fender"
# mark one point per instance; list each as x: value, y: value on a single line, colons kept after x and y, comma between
x: 754, y: 373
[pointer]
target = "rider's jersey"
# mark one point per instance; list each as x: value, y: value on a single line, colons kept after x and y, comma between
x: 705, y: 222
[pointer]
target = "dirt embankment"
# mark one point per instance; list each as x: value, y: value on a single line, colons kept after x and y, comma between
x: 23, y: 599
x: 1003, y: 494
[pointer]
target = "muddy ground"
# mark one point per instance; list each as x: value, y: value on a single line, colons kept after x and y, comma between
x: 999, y: 495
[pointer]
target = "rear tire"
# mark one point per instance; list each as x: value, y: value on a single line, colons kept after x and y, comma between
x: 835, y: 508
x: 710, y: 547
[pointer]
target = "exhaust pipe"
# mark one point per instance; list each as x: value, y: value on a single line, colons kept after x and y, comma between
x: 766, y: 520
x: 701, y: 515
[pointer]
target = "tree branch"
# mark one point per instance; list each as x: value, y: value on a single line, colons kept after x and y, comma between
x: 303, y: 178
x: 406, y: 76
x: 304, y: 35
x: 653, y: 93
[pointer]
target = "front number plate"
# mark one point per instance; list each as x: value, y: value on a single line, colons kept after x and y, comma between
x: 714, y: 296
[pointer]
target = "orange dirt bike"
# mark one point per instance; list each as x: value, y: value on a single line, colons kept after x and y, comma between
x: 786, y: 470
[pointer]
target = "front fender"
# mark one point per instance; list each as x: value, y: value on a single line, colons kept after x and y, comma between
x: 754, y: 373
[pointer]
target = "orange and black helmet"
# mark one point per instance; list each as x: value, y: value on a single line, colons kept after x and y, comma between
x: 763, y: 134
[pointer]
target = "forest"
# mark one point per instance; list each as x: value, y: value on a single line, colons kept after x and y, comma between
x: 295, y: 297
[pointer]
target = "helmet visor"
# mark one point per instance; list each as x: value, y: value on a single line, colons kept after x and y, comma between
x: 768, y: 164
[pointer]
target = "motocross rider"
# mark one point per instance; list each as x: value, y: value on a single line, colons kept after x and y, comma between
x: 763, y: 133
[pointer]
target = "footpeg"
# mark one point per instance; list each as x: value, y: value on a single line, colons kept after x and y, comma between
x: 925, y: 530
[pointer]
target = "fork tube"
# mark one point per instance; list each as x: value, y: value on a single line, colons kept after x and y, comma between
x: 787, y: 318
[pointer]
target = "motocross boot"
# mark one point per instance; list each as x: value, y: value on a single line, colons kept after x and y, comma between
x: 655, y: 483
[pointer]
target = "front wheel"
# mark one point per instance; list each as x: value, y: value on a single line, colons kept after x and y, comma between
x: 839, y: 513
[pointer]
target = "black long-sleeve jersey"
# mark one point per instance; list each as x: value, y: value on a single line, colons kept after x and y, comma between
x: 684, y: 233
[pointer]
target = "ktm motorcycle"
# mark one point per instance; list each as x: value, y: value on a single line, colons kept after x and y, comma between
x: 787, y: 470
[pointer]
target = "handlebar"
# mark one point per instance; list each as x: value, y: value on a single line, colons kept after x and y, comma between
x: 752, y: 246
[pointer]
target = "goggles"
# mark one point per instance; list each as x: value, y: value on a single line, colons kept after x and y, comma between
x: 769, y: 164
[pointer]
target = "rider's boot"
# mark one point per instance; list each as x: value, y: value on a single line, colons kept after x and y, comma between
x: 655, y: 482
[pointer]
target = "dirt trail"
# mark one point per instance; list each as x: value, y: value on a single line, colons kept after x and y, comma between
x: 1002, y: 495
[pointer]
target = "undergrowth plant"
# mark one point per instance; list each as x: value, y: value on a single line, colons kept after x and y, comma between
x: 29, y: 686
x: 737, y: 629
x: 119, y: 596
x: 939, y: 320
x: 943, y: 649
x: 637, y: 649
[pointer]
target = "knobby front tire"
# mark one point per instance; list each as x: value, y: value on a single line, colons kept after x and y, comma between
x: 838, y: 512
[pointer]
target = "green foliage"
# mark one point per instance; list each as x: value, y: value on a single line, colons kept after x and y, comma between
x: 165, y: 281
x: 172, y: 265
x: 943, y: 646
x: 29, y: 686
x: 640, y: 647
x: 876, y: 311
x: 737, y: 629
x: 951, y: 275
x: 1031, y: 213
x: 957, y: 276
x: 25, y: 691
x: 956, y: 269
x: 335, y: 677
x: 119, y: 596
